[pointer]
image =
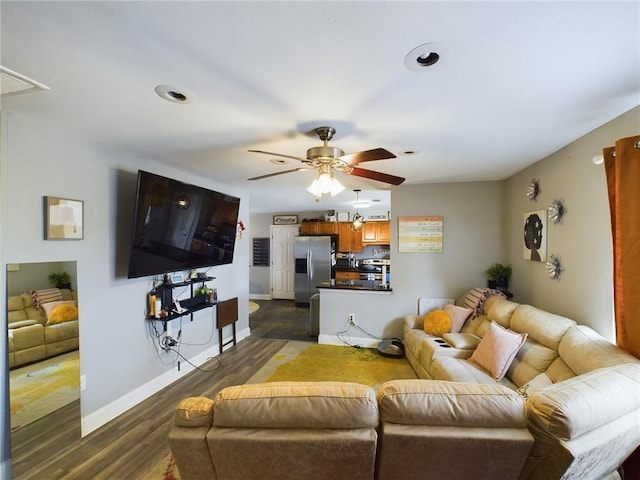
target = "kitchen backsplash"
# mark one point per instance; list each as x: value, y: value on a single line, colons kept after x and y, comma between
x: 374, y: 251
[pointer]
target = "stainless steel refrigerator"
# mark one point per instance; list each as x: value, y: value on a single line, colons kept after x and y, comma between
x: 315, y: 264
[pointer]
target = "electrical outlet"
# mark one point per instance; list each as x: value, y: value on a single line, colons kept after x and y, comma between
x: 352, y: 319
x: 83, y: 382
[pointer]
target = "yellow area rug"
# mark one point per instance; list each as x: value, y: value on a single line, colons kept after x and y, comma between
x: 307, y: 362
x: 42, y: 388
x: 253, y: 306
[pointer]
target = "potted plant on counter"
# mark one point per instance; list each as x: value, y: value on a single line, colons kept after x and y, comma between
x: 498, y: 276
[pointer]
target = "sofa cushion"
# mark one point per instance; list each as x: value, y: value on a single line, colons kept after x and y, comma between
x: 467, y: 371
x: 437, y: 323
x: 531, y: 360
x: 458, y: 316
x: 545, y: 328
x: 584, y: 350
x: 14, y: 303
x: 437, y: 403
x: 536, y: 384
x: 310, y: 405
x: 500, y: 310
x: 497, y: 349
x: 16, y: 316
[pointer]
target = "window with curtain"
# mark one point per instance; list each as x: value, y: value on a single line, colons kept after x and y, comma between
x: 622, y: 166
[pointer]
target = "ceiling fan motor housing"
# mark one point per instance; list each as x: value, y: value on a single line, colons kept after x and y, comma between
x: 324, y: 152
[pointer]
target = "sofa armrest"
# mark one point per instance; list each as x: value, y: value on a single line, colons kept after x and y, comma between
x: 573, y: 407
x: 440, y: 403
x: 413, y: 321
x: 21, y: 324
x: 192, y: 420
x: 463, y: 341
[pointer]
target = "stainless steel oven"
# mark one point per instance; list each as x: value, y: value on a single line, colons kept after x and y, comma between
x: 372, y: 268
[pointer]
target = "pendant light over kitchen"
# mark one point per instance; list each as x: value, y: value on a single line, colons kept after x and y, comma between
x: 358, y: 220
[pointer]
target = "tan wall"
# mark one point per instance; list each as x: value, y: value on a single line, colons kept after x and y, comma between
x: 582, y: 241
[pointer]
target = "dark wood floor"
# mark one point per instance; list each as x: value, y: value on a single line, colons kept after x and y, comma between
x: 129, y: 446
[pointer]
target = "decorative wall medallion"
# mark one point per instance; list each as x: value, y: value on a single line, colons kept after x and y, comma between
x: 554, y: 267
x: 557, y: 210
x: 533, y: 190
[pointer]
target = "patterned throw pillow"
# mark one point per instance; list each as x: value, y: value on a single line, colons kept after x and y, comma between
x: 40, y: 297
x: 477, y: 296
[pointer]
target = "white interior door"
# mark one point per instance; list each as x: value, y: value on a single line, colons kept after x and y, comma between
x: 283, y: 260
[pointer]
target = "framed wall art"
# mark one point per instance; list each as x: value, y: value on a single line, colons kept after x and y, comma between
x: 63, y: 219
x: 535, y: 236
x: 285, y: 219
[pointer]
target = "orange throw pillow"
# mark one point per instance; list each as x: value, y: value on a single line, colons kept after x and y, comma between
x: 437, y: 323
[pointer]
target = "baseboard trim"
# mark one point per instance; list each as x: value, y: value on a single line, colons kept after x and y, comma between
x: 365, y: 342
x: 259, y: 296
x: 100, y: 417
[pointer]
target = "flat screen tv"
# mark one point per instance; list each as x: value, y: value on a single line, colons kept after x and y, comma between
x: 178, y: 226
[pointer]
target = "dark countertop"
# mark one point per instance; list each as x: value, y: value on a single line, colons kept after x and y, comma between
x: 347, y: 269
x: 363, y: 285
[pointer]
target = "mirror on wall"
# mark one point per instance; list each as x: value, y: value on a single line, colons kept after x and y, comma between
x: 43, y: 341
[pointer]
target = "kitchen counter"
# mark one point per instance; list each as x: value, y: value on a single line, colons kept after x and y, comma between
x: 361, y: 285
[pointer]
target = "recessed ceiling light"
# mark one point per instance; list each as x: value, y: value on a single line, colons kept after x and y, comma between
x: 173, y: 94
x: 422, y: 56
x: 408, y: 152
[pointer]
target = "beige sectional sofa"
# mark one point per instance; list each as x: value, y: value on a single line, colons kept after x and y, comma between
x: 32, y: 336
x: 347, y: 431
x: 582, y: 393
x: 567, y: 407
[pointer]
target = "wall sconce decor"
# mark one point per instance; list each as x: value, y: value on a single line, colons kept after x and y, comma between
x: 557, y: 210
x: 533, y: 189
x: 554, y: 267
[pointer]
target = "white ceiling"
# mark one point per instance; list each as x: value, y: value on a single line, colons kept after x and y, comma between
x: 516, y: 81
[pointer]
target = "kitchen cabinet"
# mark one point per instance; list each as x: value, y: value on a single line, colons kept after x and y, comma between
x: 376, y: 233
x: 319, y: 228
x: 350, y: 275
x: 348, y: 240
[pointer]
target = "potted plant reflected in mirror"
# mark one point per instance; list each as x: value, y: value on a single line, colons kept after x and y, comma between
x: 498, y: 276
x: 60, y: 279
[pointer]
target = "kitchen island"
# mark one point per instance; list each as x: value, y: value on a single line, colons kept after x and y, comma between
x: 367, y: 302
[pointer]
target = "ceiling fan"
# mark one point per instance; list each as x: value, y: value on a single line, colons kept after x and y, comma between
x: 326, y: 159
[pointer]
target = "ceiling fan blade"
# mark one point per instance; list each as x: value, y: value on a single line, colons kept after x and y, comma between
x: 381, y: 177
x: 280, y: 155
x: 367, y: 156
x: 302, y: 169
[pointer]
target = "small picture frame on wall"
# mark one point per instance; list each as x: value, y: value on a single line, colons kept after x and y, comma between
x: 285, y: 219
x: 63, y: 219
